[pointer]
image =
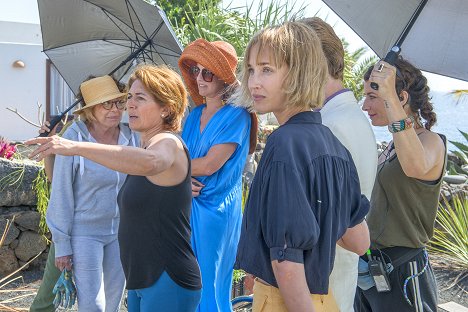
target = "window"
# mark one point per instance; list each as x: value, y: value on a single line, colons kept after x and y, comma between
x: 59, y: 95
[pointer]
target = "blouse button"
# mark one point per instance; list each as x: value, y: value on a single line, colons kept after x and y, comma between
x: 280, y: 253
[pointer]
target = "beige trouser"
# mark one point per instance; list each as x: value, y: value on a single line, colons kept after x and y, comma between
x: 268, y: 299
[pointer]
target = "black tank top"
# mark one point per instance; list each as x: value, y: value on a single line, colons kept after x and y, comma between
x: 154, y: 232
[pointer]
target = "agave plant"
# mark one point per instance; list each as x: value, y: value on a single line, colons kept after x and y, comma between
x: 461, y: 153
x: 450, y: 239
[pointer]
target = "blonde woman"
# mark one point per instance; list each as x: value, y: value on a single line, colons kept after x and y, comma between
x: 305, y: 196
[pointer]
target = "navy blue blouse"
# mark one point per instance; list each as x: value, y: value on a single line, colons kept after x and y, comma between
x: 304, y: 196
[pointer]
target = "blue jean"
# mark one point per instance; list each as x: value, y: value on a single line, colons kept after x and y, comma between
x: 163, y: 295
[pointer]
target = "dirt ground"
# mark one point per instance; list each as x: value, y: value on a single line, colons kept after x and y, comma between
x: 452, y: 284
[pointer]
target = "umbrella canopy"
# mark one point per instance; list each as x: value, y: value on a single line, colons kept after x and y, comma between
x: 101, y: 37
x: 437, y: 42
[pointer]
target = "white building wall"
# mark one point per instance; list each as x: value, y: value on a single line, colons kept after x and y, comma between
x: 21, y: 88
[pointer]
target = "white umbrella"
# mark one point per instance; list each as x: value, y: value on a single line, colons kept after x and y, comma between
x: 432, y: 34
x: 104, y: 37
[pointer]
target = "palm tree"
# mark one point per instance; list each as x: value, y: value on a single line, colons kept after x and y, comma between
x: 235, y: 25
x: 355, y: 67
x: 459, y: 95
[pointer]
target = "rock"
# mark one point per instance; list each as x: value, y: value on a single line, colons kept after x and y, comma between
x: 22, y: 229
x: 21, y: 192
x: 14, y: 244
x: 455, y: 179
x: 13, y: 232
x: 30, y: 244
x: 29, y: 220
x: 21, y: 263
x: 9, y: 212
x: 8, y: 262
x: 449, y: 191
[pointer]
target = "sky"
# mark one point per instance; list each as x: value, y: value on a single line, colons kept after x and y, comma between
x: 26, y: 11
x: 436, y: 82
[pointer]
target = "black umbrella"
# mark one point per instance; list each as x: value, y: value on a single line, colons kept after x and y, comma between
x: 104, y: 37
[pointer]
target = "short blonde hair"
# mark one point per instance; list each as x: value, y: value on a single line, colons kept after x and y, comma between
x: 297, y: 46
x: 167, y: 88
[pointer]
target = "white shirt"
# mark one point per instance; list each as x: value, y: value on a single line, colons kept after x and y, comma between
x: 343, y: 116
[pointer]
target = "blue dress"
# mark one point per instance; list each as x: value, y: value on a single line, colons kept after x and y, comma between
x: 216, y: 213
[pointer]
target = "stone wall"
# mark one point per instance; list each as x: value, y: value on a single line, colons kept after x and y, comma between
x: 22, y: 242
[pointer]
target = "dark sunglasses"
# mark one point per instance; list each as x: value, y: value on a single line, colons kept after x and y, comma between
x: 120, y: 104
x: 207, y: 75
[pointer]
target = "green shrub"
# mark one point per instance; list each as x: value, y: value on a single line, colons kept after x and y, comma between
x: 450, y: 239
x: 461, y: 153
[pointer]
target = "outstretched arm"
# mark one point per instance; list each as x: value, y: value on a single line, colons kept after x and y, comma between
x: 157, y: 158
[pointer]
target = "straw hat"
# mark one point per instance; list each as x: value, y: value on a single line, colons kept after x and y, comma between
x: 218, y: 56
x: 99, y: 90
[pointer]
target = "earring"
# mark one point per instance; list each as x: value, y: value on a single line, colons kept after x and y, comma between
x: 162, y: 115
x: 419, y: 121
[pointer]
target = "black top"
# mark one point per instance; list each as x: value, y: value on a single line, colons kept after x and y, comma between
x: 154, y: 232
x: 304, y: 196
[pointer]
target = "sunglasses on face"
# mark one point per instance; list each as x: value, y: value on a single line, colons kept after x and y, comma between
x: 207, y: 75
x: 119, y: 104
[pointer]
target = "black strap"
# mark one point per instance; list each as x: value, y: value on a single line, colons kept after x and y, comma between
x: 397, y: 255
x: 406, y: 257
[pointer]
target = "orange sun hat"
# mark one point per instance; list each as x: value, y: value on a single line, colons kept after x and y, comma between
x: 219, y: 57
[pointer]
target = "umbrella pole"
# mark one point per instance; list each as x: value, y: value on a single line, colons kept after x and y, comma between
x: 392, y: 55
x: 410, y: 24
x: 131, y: 56
x: 141, y: 49
x: 57, y: 118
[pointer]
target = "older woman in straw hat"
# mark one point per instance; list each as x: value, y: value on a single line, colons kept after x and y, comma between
x: 218, y: 136
x: 83, y: 215
x: 155, y: 201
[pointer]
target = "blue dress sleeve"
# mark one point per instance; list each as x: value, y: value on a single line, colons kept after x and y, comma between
x: 288, y: 222
x: 235, y: 129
